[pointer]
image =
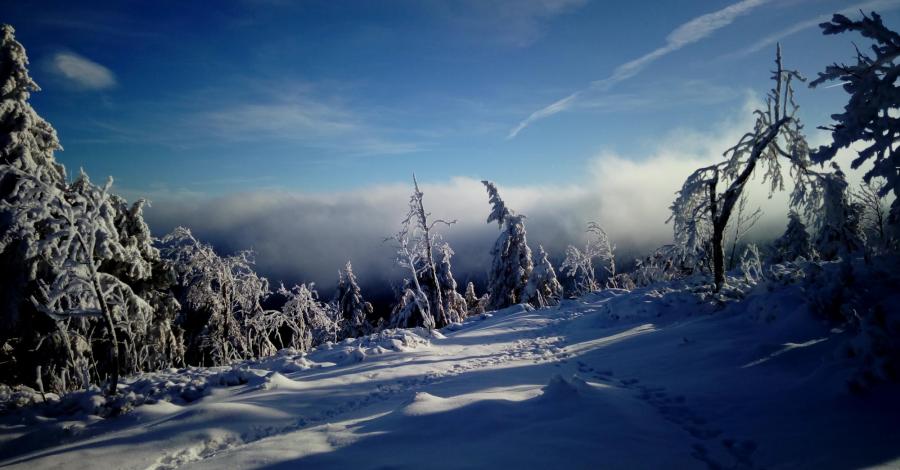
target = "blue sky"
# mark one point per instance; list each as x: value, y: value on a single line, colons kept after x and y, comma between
x: 323, y: 95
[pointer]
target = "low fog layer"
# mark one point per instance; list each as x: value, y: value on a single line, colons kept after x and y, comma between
x: 302, y: 237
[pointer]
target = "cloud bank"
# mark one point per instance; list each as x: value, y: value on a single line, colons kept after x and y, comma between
x: 82, y: 72
x: 301, y: 236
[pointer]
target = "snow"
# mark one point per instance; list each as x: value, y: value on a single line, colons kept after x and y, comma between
x: 666, y: 376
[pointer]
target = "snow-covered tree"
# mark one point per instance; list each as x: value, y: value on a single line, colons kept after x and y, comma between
x: 27, y: 145
x: 874, y: 214
x: 794, y: 243
x: 838, y: 229
x: 303, y: 320
x: 354, y: 310
x: 27, y: 142
x: 579, y: 267
x: 415, y: 243
x: 221, y: 295
x: 474, y: 304
x: 743, y: 222
x: 579, y: 264
x: 870, y: 116
x: 543, y: 288
x: 454, y: 303
x: 82, y: 239
x: 599, y: 246
x: 512, y: 264
x: 700, y: 213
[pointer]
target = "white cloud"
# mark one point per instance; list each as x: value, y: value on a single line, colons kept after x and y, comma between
x: 685, y: 34
x: 82, y: 71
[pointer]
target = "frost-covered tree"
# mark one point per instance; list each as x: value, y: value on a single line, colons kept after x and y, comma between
x: 838, y: 229
x: 303, y: 320
x: 743, y: 222
x: 454, y: 303
x: 870, y: 116
x: 27, y: 142
x: 474, y: 304
x: 543, y: 287
x: 700, y: 213
x: 794, y: 243
x: 658, y: 267
x: 354, y: 310
x: 579, y: 267
x: 415, y: 243
x: 599, y: 246
x: 221, y: 296
x: 27, y: 145
x: 579, y: 264
x: 874, y: 214
x: 69, y: 249
x: 512, y: 264
x: 82, y: 238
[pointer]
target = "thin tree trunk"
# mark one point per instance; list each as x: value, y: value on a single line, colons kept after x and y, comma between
x: 718, y: 234
x: 110, y: 325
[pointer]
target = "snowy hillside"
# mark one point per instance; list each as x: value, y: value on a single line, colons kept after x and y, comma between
x: 661, y: 377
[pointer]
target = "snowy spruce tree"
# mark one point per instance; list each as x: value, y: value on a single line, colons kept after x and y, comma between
x: 543, y: 287
x: 838, y: 228
x: 794, y: 243
x: 27, y: 146
x: 700, y: 213
x: 869, y: 117
x: 512, y: 264
x: 353, y: 309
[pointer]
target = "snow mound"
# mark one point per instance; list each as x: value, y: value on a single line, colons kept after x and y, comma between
x: 560, y: 388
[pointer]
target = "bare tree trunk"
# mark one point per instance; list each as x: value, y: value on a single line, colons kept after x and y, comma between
x: 440, y: 317
x: 717, y: 236
x: 110, y: 325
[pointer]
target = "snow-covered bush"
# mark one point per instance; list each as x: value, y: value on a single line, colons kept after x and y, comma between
x: 579, y: 265
x: 455, y: 305
x: 475, y: 305
x: 220, y: 296
x: 543, y: 288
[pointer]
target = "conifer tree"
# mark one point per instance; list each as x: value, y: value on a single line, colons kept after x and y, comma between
x: 512, y: 264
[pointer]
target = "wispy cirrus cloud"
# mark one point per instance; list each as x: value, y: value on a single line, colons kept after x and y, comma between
x: 82, y: 72
x: 880, y: 5
x: 306, y: 119
x: 515, y: 23
x: 687, y: 33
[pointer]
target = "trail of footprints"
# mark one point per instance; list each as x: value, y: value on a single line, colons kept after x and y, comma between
x: 674, y: 409
x: 539, y: 349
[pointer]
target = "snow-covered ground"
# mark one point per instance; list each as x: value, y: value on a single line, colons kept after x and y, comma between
x: 656, y: 378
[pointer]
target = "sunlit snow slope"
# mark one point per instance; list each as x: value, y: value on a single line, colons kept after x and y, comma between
x: 650, y: 379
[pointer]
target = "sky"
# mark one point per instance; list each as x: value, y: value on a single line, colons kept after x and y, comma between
x: 294, y: 127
